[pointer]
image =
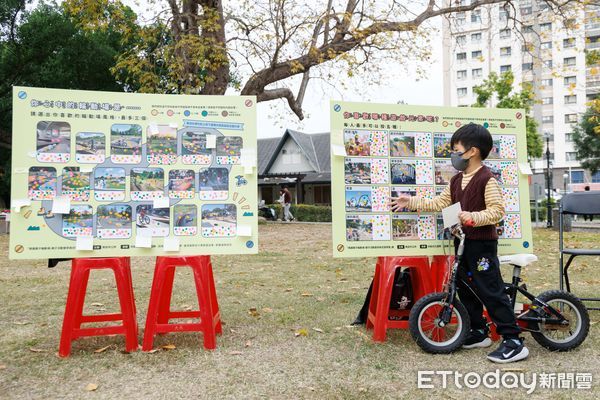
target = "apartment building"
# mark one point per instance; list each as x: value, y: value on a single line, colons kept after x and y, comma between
x: 540, y: 49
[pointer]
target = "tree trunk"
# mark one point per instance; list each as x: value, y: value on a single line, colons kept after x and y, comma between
x: 213, y: 33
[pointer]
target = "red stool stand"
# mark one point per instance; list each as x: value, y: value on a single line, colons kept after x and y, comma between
x: 440, y: 268
x: 159, y: 312
x: 383, y: 281
x: 80, y: 273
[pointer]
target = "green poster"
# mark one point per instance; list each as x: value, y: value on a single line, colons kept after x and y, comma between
x: 382, y: 150
x: 98, y: 174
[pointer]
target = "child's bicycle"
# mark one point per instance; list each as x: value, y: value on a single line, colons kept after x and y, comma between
x: 557, y: 320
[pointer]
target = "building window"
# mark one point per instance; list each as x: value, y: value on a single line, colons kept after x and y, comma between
x: 571, y: 156
x: 543, y: 6
x: 476, y: 37
x: 569, y: 137
x: 461, y: 40
x: 546, y: 82
x: 576, y: 176
x: 322, y: 194
x: 570, y: 80
x: 504, y: 68
x: 504, y: 15
x: 571, y: 99
x: 570, y: 61
x: 570, y: 118
x: 527, y: 28
x: 476, y: 16
x: 547, y: 100
x: 476, y: 54
x: 476, y: 73
x: 505, y: 51
x: 462, y: 74
x: 546, y: 27
x: 526, y: 47
x: 461, y: 18
x: 547, y: 63
x: 546, y: 45
x: 596, y: 177
x: 570, y: 42
x: 505, y: 34
x: 527, y: 66
x: 526, y: 10
x: 461, y: 92
x: 547, y: 119
x: 461, y: 56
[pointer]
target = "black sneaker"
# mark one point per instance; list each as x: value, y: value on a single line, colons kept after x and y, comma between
x: 477, y: 339
x: 509, y: 351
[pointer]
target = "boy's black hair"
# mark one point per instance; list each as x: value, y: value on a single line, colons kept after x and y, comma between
x: 473, y: 135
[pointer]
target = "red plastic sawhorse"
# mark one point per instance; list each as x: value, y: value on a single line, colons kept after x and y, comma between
x: 383, y: 281
x: 159, y: 312
x: 74, y: 318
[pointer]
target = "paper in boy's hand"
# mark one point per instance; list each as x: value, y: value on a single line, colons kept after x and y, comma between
x: 450, y: 215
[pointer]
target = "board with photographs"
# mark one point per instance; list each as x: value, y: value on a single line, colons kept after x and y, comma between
x: 99, y: 174
x: 380, y: 151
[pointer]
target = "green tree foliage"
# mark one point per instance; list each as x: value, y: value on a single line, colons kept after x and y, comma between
x: 45, y: 47
x: 586, y: 136
x: 500, y: 89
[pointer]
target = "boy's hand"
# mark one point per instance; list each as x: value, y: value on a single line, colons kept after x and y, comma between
x: 466, y: 218
x: 397, y: 203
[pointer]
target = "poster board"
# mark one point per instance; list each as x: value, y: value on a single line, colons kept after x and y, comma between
x: 97, y: 174
x: 381, y: 150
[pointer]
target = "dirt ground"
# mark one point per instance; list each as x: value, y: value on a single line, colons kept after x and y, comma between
x: 286, y: 335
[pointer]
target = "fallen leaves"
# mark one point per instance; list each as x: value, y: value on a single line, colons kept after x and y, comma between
x: 306, y: 294
x: 2, y: 366
x: 36, y: 350
x: 248, y: 343
x: 235, y: 353
x: 253, y: 312
x: 168, y: 347
x: 21, y: 322
x: 301, y: 332
x: 102, y: 350
x: 91, y: 387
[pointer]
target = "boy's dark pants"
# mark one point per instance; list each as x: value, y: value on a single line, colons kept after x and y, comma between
x: 481, y: 270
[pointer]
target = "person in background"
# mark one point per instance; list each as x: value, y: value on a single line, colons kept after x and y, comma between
x: 287, y: 203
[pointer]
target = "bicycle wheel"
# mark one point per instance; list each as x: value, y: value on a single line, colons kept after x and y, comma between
x: 558, y: 337
x: 425, y: 328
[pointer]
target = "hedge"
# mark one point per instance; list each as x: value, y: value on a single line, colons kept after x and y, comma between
x: 306, y: 212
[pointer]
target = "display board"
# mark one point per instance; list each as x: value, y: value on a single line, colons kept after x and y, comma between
x: 382, y: 150
x: 98, y: 174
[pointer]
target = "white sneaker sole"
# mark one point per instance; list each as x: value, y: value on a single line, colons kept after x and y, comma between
x: 521, y: 356
x: 487, y: 342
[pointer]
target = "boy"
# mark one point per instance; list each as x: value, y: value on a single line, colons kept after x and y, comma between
x: 481, y: 201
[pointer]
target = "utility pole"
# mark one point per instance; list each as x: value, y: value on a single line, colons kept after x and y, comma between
x: 548, y: 185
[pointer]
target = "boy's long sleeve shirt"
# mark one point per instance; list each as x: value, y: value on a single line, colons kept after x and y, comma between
x: 494, y: 204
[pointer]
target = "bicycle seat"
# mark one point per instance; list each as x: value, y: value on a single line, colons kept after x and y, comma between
x: 521, y: 260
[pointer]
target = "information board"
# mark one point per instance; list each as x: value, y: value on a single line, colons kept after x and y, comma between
x: 98, y: 174
x: 382, y: 150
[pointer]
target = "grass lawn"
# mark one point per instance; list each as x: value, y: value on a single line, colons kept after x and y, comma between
x: 286, y: 313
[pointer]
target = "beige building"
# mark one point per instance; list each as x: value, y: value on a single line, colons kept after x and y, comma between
x: 540, y: 49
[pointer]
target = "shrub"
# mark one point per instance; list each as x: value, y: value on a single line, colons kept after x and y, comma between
x: 306, y: 212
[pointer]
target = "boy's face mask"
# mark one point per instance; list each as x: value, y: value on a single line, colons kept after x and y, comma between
x: 458, y: 162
